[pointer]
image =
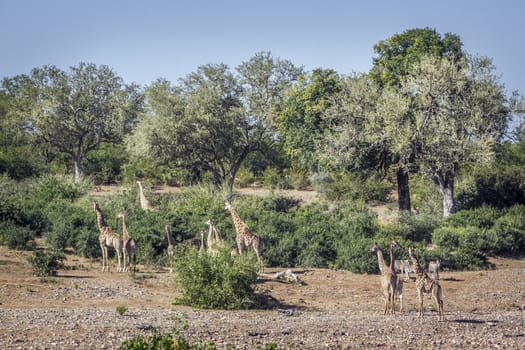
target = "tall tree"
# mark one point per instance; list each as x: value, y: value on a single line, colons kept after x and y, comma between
x: 458, y: 113
x: 395, y: 57
x: 214, y: 119
x: 74, y: 111
x: 356, y: 139
x: 301, y: 122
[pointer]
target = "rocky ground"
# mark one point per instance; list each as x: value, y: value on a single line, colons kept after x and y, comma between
x: 330, y: 310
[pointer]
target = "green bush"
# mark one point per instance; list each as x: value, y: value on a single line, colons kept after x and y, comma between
x: 496, y: 186
x: 469, y: 258
x: 18, y: 209
x: 509, y: 232
x: 216, y: 282
x: 47, y: 263
x: 482, y: 217
x: 356, y: 257
x: 348, y: 186
x: 55, y: 187
x: 68, y: 222
x: 416, y: 228
x: 446, y: 237
x: 104, y: 163
x: 425, y: 196
x: 166, y: 341
x: 16, y: 237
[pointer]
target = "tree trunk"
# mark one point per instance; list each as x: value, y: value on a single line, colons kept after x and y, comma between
x: 403, y: 190
x: 79, y: 173
x: 446, y: 186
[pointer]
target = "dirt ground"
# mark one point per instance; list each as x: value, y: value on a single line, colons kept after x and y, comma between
x: 329, y: 310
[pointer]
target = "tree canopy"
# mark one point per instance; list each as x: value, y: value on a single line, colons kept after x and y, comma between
x: 73, y: 112
x: 214, y: 119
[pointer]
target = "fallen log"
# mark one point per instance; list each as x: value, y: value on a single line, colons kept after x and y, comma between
x: 286, y: 275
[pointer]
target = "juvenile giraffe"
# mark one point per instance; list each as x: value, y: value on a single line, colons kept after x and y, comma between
x: 144, y: 202
x: 244, y: 237
x: 425, y: 284
x: 214, y: 240
x: 171, y: 244
x: 130, y: 246
x: 107, y: 239
x: 384, y: 268
x: 389, y: 280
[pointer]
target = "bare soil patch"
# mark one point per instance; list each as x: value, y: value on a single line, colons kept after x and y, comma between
x: 330, y: 310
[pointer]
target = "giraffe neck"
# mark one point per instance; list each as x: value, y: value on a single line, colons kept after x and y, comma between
x: 143, y: 199
x: 171, y: 240
x: 382, y: 264
x: 210, y: 235
x: 236, y: 220
x: 417, y: 266
x: 125, y: 233
x: 100, y: 220
x: 392, y: 257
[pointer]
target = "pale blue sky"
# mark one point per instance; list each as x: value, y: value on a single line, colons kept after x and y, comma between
x: 146, y: 40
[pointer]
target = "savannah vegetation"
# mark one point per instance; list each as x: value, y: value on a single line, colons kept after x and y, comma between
x: 430, y: 132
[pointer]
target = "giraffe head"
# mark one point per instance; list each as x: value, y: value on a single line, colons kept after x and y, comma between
x: 210, y: 222
x: 394, y: 244
x: 374, y: 249
x: 95, y: 205
x: 228, y: 206
x: 122, y: 215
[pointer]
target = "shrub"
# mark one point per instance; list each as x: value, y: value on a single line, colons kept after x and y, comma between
x: 19, y: 213
x: 446, y: 237
x: 46, y: 263
x: 426, y: 198
x: 68, y: 222
x: 216, y: 282
x: 509, y: 231
x: 16, y: 237
x: 496, y: 186
x: 353, y: 187
x: 159, y: 341
x: 121, y: 309
x: 104, y: 163
x: 356, y: 257
x: 54, y: 187
x: 416, y: 228
x: 482, y: 217
x: 469, y: 258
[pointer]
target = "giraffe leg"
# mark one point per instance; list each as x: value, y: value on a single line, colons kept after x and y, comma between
x: 420, y: 302
x: 387, y: 299
x: 104, y: 259
x: 436, y: 292
x: 239, y: 248
x: 391, y: 301
x: 124, y: 255
x: 259, y: 259
x: 119, y: 259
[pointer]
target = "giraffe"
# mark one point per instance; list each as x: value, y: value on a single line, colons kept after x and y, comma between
x: 244, y: 237
x: 171, y: 244
x: 425, y: 284
x: 130, y: 246
x: 107, y: 239
x: 391, y: 284
x: 144, y: 202
x: 214, y: 240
